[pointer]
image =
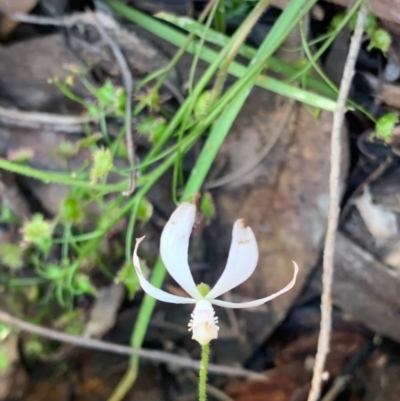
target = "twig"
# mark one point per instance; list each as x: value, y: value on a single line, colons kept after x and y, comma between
x: 128, y: 85
x: 38, y: 20
x: 159, y: 356
x: 59, y: 122
x: 334, y: 190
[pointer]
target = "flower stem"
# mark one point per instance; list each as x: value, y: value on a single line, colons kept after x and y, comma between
x: 205, y: 353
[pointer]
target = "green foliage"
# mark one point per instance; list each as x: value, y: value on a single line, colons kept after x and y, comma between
x: 149, y: 99
x: 112, y: 97
x: 153, y: 127
x: 384, y: 127
x: 207, y: 207
x: 370, y: 24
x: 102, y: 164
x: 71, y: 211
x: 145, y: 210
x: 83, y: 285
x: 37, y: 231
x: 128, y: 277
x: 11, y: 255
x: 202, y: 104
x: 381, y: 40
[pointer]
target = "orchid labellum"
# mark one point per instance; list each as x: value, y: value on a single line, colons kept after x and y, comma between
x: 242, y: 261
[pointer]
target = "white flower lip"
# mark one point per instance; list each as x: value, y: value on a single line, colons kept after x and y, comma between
x: 242, y: 261
x: 204, y: 323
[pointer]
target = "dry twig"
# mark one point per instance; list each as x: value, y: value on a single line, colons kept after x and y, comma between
x: 128, y: 85
x: 39, y: 20
x: 334, y: 190
x: 159, y: 356
x: 33, y: 119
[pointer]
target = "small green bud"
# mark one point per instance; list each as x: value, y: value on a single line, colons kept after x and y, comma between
x: 83, y: 285
x: 380, y: 40
x: 11, y: 255
x: 70, y: 211
x: 336, y: 21
x: 207, y: 207
x: 202, y: 104
x: 384, y: 127
x: 204, y: 289
x: 93, y: 110
x: 38, y: 231
x: 53, y: 272
x: 158, y: 129
x: 119, y: 101
x: 102, y: 165
x: 145, y: 210
x: 66, y: 149
x: 151, y: 99
x: 106, y: 94
x: 153, y: 127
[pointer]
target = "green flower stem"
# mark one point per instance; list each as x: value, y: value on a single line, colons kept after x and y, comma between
x: 205, y: 356
x: 248, y: 24
x: 66, y: 179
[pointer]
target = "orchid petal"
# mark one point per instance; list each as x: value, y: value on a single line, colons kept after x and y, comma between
x: 242, y: 260
x: 174, y: 247
x: 257, y: 302
x: 149, y: 288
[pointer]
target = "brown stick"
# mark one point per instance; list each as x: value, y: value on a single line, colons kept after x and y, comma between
x: 334, y: 191
x: 160, y: 356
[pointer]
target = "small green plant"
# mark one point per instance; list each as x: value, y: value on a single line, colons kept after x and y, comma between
x: 102, y: 164
x: 11, y: 256
x: 384, y: 127
x: 381, y: 40
x: 38, y: 232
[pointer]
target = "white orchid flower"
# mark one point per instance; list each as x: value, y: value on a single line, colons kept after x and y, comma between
x: 242, y: 261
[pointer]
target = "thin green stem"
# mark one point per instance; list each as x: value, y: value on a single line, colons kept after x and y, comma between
x: 220, y: 17
x: 329, y: 41
x: 248, y: 24
x: 205, y: 356
x: 67, y: 179
x: 214, y: 4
